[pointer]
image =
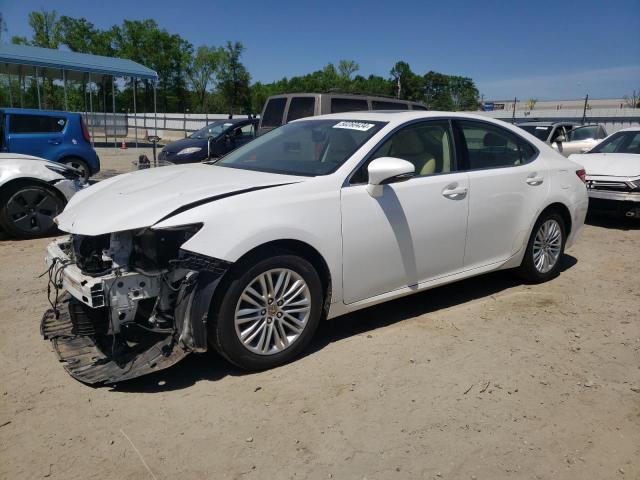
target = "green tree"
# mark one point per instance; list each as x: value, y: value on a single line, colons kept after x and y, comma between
x: 408, y: 84
x: 346, y: 69
x: 233, y: 79
x: 464, y: 94
x: 46, y: 28
x: 202, y: 71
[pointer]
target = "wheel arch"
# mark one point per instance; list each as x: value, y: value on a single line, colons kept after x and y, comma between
x: 305, y: 251
x: 19, y: 181
x: 564, y: 212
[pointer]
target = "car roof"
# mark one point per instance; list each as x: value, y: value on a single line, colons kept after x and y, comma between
x: 544, y: 124
x: 629, y: 129
x: 34, y: 111
x: 398, y: 116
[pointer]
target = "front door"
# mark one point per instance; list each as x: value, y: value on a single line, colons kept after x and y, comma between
x: 37, y: 135
x: 415, y: 230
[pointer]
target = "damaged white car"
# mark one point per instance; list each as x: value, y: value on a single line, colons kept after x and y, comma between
x: 312, y: 220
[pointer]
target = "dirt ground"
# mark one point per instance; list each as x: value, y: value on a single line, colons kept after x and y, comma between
x: 484, y: 379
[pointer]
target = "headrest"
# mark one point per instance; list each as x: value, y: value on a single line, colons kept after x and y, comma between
x: 407, y: 143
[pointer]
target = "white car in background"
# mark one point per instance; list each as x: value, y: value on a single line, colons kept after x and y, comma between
x: 613, y: 173
x: 33, y: 191
x: 579, y: 139
x: 312, y: 220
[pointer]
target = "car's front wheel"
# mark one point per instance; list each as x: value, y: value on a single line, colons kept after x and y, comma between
x: 545, y: 249
x: 80, y: 165
x: 268, y: 312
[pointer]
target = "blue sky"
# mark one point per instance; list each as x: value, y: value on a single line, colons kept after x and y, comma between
x: 541, y: 49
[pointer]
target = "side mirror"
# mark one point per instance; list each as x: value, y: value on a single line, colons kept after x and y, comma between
x: 385, y: 170
x: 560, y: 139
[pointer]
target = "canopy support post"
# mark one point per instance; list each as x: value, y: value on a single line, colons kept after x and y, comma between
x: 38, y: 90
x: 113, y: 108
x: 64, y: 83
x: 135, y: 110
x: 10, y: 89
x: 20, y: 85
x: 104, y: 109
x: 155, y: 123
x: 93, y: 141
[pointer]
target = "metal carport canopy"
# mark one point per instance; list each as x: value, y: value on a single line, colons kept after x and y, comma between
x: 16, y: 56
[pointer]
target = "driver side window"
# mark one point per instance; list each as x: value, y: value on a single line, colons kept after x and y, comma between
x: 428, y: 145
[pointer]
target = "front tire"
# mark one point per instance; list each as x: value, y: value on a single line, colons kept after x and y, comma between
x: 27, y: 210
x: 545, y: 249
x: 79, y: 165
x: 268, y: 312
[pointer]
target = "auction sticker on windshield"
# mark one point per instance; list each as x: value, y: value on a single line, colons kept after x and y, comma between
x: 361, y: 126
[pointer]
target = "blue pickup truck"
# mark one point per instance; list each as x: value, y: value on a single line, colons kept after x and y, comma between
x: 57, y: 136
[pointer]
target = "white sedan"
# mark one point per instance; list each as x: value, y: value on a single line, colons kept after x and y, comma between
x: 613, y: 173
x: 33, y: 191
x: 312, y: 220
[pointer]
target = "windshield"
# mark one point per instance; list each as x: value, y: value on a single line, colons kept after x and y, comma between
x: 621, y: 142
x: 306, y: 147
x: 540, y: 132
x: 212, y: 130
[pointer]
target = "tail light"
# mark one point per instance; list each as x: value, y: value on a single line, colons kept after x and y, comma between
x: 582, y: 175
x: 85, y: 130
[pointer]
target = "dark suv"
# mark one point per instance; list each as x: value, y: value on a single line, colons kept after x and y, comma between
x: 57, y: 136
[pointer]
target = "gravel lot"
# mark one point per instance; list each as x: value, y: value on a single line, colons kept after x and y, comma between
x: 485, y: 379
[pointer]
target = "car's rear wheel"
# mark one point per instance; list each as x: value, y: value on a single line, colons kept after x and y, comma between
x: 545, y: 249
x: 27, y: 210
x: 268, y: 312
x: 79, y: 165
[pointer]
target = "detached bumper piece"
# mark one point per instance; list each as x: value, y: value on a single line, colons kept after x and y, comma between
x: 92, y: 357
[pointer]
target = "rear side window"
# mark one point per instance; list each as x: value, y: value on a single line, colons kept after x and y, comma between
x: 583, y: 133
x: 301, y: 107
x: 419, y: 107
x: 489, y: 146
x: 378, y: 105
x: 273, y: 112
x: 36, y: 124
x: 340, y: 105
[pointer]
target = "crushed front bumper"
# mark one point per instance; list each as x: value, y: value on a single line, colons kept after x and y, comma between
x: 90, y: 360
x: 95, y: 327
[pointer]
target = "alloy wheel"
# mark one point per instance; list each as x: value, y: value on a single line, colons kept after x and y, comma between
x: 33, y: 209
x: 547, y: 245
x: 272, y: 311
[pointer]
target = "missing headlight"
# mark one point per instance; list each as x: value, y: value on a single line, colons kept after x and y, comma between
x: 154, y: 250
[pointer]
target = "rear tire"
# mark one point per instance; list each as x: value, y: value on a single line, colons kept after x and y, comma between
x: 256, y: 327
x: 79, y: 165
x: 27, y: 210
x: 545, y: 249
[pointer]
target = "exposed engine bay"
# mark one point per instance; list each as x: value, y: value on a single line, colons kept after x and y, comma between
x: 127, y: 303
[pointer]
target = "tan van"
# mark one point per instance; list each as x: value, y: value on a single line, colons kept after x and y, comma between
x: 280, y: 109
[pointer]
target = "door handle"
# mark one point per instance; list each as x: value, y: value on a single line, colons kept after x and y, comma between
x: 54, y: 142
x: 535, y: 180
x: 453, y: 192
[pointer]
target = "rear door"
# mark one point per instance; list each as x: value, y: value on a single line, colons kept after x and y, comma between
x: 507, y: 185
x: 38, y: 135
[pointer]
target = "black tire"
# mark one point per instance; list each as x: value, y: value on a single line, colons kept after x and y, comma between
x: 528, y: 270
x: 78, y: 164
x: 222, y: 328
x: 27, y: 210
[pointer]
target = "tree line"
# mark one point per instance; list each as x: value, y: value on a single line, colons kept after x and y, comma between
x: 206, y: 78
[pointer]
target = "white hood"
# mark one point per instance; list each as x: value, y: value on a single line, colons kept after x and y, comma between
x: 609, y: 164
x: 141, y: 199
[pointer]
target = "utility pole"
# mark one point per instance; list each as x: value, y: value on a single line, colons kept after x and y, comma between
x: 513, y: 116
x: 584, y: 110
